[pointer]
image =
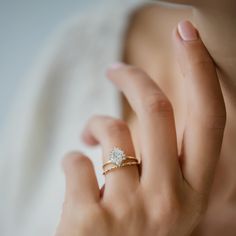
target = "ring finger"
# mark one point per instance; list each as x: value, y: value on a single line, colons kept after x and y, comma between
x: 110, y: 132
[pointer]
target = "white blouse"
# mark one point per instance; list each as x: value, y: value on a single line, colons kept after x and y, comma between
x: 65, y: 88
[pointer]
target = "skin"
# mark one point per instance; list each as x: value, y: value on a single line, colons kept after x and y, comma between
x: 153, y: 51
x: 171, y: 195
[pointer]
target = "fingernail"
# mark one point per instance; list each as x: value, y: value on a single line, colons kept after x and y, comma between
x: 187, y: 31
x: 116, y: 65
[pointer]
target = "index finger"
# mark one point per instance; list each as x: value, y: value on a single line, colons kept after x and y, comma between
x: 206, y: 109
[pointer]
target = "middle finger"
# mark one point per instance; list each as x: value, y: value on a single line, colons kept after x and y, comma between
x: 156, y: 124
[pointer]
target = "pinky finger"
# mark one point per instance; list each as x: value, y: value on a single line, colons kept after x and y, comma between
x: 81, y: 182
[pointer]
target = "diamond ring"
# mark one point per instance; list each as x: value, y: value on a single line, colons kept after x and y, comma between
x: 117, y: 159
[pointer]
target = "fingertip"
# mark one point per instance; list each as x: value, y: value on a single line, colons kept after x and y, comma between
x: 114, y: 67
x: 70, y: 158
x: 186, y: 31
x: 80, y: 178
x: 116, y: 71
x: 189, y: 45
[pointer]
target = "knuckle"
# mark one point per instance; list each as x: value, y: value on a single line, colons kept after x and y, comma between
x: 197, y: 55
x: 201, y: 63
x: 124, y: 212
x: 129, y: 213
x: 218, y: 116
x: 212, y: 119
x: 213, y: 116
x: 170, y: 209
x: 92, y: 217
x: 157, y: 103
x: 127, y: 208
x: 134, y: 71
x: 216, y: 122
x: 116, y: 127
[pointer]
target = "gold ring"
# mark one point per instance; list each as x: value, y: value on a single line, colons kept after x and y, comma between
x: 117, y: 159
x: 123, y: 165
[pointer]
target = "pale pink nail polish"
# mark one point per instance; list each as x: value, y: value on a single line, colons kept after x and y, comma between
x: 116, y: 65
x: 187, y: 31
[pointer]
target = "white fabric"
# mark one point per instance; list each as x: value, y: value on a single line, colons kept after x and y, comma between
x: 67, y: 86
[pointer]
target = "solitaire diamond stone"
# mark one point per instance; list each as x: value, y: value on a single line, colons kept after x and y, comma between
x: 117, y: 156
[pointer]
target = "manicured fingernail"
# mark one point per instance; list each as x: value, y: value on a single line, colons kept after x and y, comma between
x: 116, y: 65
x: 187, y: 31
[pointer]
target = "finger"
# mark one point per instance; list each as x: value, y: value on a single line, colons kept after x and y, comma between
x: 156, y: 124
x: 110, y: 132
x: 81, y: 182
x: 206, y: 109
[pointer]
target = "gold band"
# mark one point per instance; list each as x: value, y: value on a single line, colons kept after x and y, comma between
x: 127, y: 158
x: 123, y: 165
x: 118, y: 159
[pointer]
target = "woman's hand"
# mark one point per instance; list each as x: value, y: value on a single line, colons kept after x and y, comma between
x: 171, y: 193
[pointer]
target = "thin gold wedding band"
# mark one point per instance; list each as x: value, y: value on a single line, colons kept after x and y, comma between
x: 118, y: 159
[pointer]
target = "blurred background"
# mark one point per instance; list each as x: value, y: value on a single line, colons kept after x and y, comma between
x: 21, y: 39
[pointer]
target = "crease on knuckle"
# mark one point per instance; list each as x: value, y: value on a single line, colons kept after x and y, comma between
x: 213, y: 118
x: 171, y: 208
x: 213, y: 121
x: 116, y: 127
x: 169, y: 211
x: 91, y: 217
x: 127, y: 209
x: 201, y: 62
x: 124, y: 213
x: 157, y: 103
x: 197, y: 55
x: 133, y: 71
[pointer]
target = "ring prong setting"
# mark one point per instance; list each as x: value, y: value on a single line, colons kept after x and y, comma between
x: 117, y: 156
